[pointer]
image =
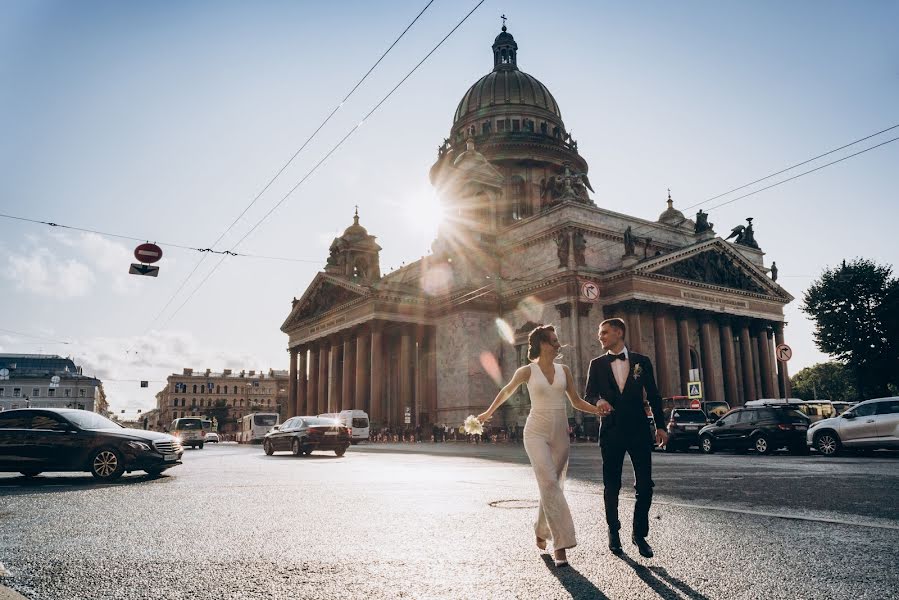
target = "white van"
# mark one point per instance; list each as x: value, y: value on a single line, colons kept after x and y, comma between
x: 357, y: 420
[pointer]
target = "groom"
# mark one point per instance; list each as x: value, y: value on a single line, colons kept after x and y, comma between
x: 616, y: 383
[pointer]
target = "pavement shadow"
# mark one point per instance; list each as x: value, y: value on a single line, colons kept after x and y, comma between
x: 661, y: 582
x: 574, y: 583
x: 48, y: 484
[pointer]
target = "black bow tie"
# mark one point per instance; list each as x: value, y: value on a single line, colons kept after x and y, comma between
x: 621, y: 356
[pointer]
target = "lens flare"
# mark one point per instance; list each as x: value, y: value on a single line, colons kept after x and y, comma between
x: 505, y: 331
x: 436, y: 279
x: 532, y: 309
x: 491, y: 367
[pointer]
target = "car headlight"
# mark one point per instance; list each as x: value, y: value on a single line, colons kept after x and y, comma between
x: 139, y: 446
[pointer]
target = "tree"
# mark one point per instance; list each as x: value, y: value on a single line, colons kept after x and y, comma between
x: 856, y: 311
x: 827, y: 381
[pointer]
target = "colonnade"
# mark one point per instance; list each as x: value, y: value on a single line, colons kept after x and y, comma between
x: 383, y: 368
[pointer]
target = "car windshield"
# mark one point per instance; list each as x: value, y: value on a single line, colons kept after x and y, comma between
x: 89, y: 420
x: 688, y: 416
x: 265, y: 420
x: 319, y: 422
x: 189, y: 424
x: 791, y: 416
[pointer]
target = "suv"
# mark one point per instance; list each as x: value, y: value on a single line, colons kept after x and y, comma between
x: 683, y: 428
x: 868, y: 425
x: 762, y: 428
x: 189, y: 430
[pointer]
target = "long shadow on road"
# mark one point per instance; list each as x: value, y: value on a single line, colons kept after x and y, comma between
x: 574, y: 583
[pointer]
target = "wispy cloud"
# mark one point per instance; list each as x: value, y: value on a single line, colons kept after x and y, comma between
x: 110, y: 258
x: 43, y: 273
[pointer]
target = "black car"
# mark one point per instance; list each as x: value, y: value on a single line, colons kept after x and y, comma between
x: 683, y: 428
x: 761, y: 428
x: 34, y: 440
x: 302, y: 435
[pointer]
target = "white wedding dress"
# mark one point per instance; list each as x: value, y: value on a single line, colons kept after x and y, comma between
x: 546, y: 442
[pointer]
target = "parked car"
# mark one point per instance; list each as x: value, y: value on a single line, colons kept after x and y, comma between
x: 868, y: 425
x: 212, y: 437
x: 763, y: 428
x: 683, y: 428
x: 303, y: 435
x: 35, y: 440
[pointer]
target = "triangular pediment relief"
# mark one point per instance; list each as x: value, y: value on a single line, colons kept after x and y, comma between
x: 323, y: 294
x: 714, y: 263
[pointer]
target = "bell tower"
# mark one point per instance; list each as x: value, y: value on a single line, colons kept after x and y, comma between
x: 355, y: 255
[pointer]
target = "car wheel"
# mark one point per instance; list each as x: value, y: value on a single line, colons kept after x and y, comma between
x: 827, y: 443
x: 296, y: 448
x: 762, y: 445
x: 267, y: 446
x: 340, y: 451
x: 706, y: 444
x: 30, y: 474
x: 106, y: 464
x: 201, y: 445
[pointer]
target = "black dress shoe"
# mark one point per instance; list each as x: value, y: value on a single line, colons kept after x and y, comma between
x: 615, y: 543
x: 643, y: 546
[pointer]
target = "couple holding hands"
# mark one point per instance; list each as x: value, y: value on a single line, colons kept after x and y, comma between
x: 616, y: 383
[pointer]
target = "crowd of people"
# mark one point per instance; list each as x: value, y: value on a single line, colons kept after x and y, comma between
x: 444, y: 433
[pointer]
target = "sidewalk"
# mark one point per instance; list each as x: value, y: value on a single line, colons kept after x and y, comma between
x: 8, y: 594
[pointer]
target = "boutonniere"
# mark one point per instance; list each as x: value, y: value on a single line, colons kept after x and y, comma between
x: 638, y: 370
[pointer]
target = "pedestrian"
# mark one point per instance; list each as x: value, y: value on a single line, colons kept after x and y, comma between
x: 618, y: 380
x: 545, y: 435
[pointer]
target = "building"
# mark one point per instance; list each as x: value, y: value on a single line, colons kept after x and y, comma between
x: 527, y: 242
x: 225, y: 395
x: 48, y: 381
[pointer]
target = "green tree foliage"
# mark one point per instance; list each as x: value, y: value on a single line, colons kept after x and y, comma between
x: 856, y: 311
x: 826, y: 381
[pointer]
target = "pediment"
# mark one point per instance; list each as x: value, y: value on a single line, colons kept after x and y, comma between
x: 713, y: 263
x: 323, y: 294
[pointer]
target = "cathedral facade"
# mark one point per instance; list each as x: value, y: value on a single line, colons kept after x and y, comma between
x: 524, y: 243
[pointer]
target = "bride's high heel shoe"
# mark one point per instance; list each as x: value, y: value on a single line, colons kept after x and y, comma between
x: 560, y: 561
x: 541, y: 544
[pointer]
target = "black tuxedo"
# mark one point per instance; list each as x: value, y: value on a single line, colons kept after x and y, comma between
x: 626, y: 430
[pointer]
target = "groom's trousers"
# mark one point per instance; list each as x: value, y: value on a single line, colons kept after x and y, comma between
x: 640, y: 451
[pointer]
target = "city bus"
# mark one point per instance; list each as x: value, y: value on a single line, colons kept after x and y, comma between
x: 253, y: 427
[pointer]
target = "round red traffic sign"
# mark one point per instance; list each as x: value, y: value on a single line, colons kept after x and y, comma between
x: 148, y: 253
x: 695, y: 404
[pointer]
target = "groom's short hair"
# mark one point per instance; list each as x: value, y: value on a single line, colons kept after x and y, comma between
x: 617, y: 323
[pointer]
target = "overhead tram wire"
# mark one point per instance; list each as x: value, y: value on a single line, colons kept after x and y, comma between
x: 35, y: 337
x: 280, y: 171
x: 604, y: 244
x: 324, y: 158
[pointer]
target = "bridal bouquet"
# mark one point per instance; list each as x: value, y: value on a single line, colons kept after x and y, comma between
x: 472, y: 426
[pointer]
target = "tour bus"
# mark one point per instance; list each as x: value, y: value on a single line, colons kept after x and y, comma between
x: 357, y: 420
x: 253, y: 427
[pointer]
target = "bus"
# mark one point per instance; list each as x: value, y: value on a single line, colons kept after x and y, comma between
x: 253, y: 427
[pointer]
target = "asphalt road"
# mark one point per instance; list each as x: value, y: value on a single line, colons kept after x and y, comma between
x: 450, y: 521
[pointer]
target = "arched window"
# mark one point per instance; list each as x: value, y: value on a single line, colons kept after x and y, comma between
x: 694, y: 359
x: 195, y: 388
x: 516, y: 199
x: 544, y: 128
x: 218, y: 389
x: 485, y: 127
x: 235, y: 389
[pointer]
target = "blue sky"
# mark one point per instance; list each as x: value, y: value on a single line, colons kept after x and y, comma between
x: 162, y: 120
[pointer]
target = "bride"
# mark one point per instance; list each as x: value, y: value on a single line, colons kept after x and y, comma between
x: 546, y: 434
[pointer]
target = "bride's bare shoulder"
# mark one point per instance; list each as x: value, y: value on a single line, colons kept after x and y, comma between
x: 523, y: 373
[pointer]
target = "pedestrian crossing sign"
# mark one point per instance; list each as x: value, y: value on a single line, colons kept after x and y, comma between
x: 694, y: 389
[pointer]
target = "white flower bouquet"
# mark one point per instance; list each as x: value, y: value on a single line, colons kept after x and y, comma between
x: 472, y: 426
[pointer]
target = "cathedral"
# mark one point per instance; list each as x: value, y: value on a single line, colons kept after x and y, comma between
x: 524, y: 242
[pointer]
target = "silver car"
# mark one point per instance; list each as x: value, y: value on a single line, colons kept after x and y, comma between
x: 868, y: 425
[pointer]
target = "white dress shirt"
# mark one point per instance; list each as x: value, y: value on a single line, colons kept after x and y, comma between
x: 620, y: 368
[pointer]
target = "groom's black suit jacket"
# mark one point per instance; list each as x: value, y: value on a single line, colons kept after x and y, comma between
x: 629, y: 417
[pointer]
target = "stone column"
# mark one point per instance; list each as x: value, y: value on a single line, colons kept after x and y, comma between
x: 634, y: 329
x: 405, y: 373
x: 728, y: 357
x: 418, y: 375
x: 349, y: 372
x: 782, y: 371
x: 334, y: 375
x: 661, y: 343
x: 323, y: 350
x: 292, y: 382
x: 363, y: 370
x: 772, y: 361
x: 765, y: 362
x: 746, y: 355
x: 756, y: 366
x: 376, y: 410
x: 709, y: 373
x: 432, y: 375
x: 301, y: 383
x: 312, y: 382
x: 683, y: 351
